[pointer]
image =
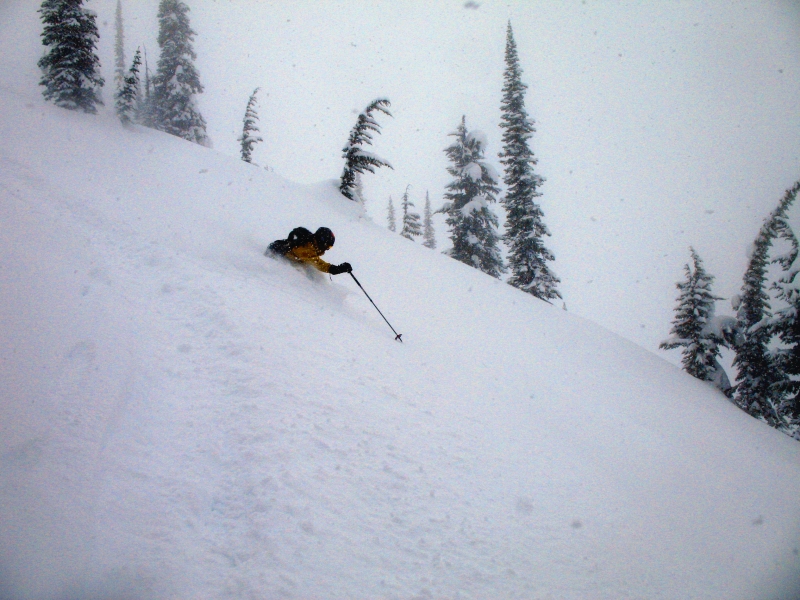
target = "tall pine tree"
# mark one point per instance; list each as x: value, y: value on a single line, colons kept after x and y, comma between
x: 357, y: 159
x: 525, y: 227
x: 390, y: 216
x: 786, y: 327
x: 692, y: 328
x: 758, y: 377
x: 428, y: 234
x: 70, y: 68
x: 177, y: 81
x: 411, y: 225
x: 119, y: 49
x: 127, y: 98
x: 473, y: 225
x: 249, y: 137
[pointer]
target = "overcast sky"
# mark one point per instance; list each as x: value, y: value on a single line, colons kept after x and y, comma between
x: 660, y: 125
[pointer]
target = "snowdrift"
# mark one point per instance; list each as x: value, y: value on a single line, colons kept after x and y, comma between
x: 183, y: 417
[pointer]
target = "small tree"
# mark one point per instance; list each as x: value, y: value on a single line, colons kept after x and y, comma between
x: 70, y: 68
x: 127, y: 97
x: 177, y: 81
x: 411, y: 226
x: 428, y: 234
x: 390, y: 216
x: 693, y: 327
x: 249, y: 139
x: 358, y: 160
x: 473, y: 225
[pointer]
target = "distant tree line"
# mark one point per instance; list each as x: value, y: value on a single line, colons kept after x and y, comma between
x: 764, y: 333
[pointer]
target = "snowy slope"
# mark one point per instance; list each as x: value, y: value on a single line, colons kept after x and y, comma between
x: 182, y: 417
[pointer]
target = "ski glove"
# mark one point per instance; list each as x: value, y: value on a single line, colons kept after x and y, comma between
x: 342, y: 268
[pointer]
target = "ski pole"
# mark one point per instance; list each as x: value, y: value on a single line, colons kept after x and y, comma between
x: 398, y: 336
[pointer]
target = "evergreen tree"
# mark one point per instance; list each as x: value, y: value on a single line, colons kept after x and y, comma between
x: 70, y: 68
x: 358, y: 160
x: 127, y: 97
x: 525, y: 227
x: 145, y: 113
x: 473, y: 225
x: 119, y: 49
x: 786, y: 326
x: 693, y: 326
x: 411, y: 226
x: 176, y: 81
x: 758, y: 377
x: 249, y: 138
x: 390, y: 216
x: 428, y: 234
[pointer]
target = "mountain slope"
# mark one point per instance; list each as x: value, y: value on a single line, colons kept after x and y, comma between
x: 184, y: 417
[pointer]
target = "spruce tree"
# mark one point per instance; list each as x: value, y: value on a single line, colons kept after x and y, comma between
x: 473, y: 225
x: 758, y: 377
x: 358, y: 160
x: 70, y: 68
x: 119, y: 49
x: 127, y: 97
x: 249, y: 138
x: 428, y: 234
x: 692, y: 328
x: 390, y: 216
x: 786, y: 327
x: 525, y: 227
x: 411, y: 225
x: 176, y: 81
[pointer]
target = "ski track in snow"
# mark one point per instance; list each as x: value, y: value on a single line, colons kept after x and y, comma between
x: 216, y: 424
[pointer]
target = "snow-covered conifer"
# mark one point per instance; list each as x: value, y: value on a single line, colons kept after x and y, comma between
x: 358, y: 160
x: 249, y: 138
x: 525, y: 227
x: 411, y: 225
x: 759, y: 379
x: 119, y: 49
x: 693, y: 326
x: 127, y: 97
x: 70, y: 68
x: 473, y: 225
x: 428, y: 234
x: 786, y: 327
x: 177, y: 81
x: 390, y: 216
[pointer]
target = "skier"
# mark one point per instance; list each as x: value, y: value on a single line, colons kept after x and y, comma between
x: 305, y: 248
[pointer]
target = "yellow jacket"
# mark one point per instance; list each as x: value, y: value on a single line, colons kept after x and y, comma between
x: 309, y: 254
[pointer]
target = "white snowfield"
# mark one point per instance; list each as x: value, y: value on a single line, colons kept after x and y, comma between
x: 184, y: 418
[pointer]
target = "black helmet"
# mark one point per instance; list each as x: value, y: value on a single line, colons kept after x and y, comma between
x: 324, y: 238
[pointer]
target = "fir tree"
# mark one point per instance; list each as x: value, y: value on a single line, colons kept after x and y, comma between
x: 411, y: 225
x: 428, y: 234
x: 786, y: 327
x: 249, y: 138
x: 176, y: 81
x: 146, y: 110
x: 390, y: 216
x: 70, y: 68
x: 128, y: 95
x: 473, y: 225
x: 758, y: 377
x: 358, y: 160
x: 119, y: 49
x: 693, y: 327
x: 525, y: 227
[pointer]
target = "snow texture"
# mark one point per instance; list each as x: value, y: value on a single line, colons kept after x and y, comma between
x: 185, y: 418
